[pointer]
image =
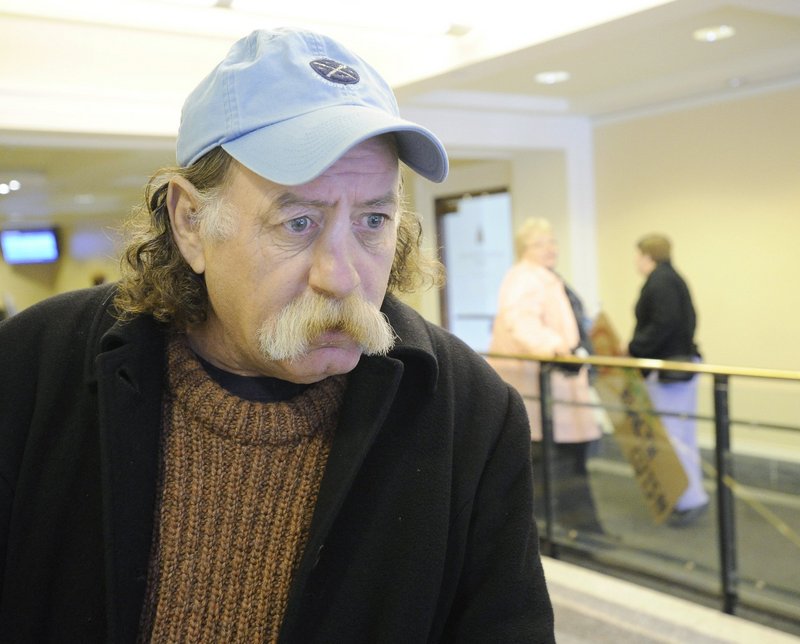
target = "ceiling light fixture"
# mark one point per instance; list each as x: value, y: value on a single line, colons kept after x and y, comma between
x: 552, y: 77
x: 10, y: 186
x: 713, y: 34
x: 457, y: 29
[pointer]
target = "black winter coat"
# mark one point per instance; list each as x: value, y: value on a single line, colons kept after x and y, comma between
x: 423, y: 529
x: 665, y: 317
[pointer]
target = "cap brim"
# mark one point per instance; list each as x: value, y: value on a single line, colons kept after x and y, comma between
x: 299, y: 149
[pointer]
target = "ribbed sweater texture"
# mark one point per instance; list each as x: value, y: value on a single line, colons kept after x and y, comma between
x: 238, y: 485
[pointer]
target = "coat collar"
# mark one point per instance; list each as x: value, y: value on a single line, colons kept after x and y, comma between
x: 414, y: 346
x: 130, y: 381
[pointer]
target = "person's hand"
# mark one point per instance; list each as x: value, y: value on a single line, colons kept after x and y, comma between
x: 560, y: 352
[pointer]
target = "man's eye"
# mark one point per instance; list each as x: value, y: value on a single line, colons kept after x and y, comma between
x: 299, y: 225
x: 376, y: 220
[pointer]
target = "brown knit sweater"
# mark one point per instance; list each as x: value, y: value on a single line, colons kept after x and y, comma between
x: 238, y: 486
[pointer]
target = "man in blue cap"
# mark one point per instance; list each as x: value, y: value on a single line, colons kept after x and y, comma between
x: 249, y: 438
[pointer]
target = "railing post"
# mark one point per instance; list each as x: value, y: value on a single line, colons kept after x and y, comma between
x: 546, y: 405
x: 725, y: 500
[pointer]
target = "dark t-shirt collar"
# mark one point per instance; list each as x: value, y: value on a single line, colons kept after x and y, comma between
x: 253, y: 388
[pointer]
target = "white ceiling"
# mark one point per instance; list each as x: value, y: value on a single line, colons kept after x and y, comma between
x: 637, y: 63
x: 89, y: 98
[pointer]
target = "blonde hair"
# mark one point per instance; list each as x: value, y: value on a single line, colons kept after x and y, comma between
x: 527, y: 233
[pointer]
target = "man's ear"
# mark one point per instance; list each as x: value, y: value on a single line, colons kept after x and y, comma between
x: 182, y: 204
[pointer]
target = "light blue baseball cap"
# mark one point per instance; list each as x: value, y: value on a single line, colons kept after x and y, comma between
x: 288, y: 103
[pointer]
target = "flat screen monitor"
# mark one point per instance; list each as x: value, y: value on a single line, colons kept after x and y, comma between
x: 29, y: 246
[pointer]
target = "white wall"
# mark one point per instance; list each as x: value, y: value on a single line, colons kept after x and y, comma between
x: 723, y: 181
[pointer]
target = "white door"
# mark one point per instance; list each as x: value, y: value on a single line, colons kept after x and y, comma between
x: 478, y: 249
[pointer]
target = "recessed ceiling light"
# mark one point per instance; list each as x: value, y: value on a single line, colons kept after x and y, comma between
x: 552, y: 77
x: 713, y: 34
x: 9, y: 186
x: 457, y: 29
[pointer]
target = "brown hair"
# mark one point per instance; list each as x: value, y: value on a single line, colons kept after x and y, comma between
x: 656, y: 247
x: 157, y: 280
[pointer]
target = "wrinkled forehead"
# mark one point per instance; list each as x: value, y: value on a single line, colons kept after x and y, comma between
x: 369, y: 173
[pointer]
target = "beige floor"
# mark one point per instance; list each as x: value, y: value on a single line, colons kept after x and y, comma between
x: 593, y: 608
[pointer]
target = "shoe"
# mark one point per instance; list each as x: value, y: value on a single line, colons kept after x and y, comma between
x: 682, y: 518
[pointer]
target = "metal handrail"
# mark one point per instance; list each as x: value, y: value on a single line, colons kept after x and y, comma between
x: 726, y: 524
x: 649, y: 363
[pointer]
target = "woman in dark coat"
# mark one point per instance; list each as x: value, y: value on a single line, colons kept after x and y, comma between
x: 665, y: 326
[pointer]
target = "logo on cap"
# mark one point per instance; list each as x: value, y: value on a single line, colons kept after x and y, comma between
x: 335, y: 72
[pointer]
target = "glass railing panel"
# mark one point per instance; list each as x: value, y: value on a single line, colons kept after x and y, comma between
x: 743, y: 551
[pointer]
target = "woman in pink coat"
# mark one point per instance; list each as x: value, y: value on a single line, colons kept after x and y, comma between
x: 535, y: 317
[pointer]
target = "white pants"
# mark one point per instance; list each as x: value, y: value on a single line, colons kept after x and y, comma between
x: 681, y: 398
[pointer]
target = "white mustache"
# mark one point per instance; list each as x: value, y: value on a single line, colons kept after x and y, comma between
x: 288, y: 335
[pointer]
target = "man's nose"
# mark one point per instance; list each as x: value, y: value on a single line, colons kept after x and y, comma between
x: 333, y: 271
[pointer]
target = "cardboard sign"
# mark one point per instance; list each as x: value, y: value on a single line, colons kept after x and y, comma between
x: 638, y: 431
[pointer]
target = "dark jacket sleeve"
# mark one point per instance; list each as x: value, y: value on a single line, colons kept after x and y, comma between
x: 44, y: 459
x: 19, y: 337
x: 503, y: 596
x: 6, y: 469
x: 658, y: 316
